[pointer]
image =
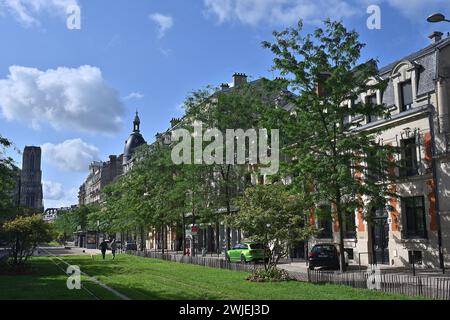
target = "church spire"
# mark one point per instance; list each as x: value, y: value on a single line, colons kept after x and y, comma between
x: 136, y: 122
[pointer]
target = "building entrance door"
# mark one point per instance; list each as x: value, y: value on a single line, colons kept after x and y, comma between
x: 380, y: 237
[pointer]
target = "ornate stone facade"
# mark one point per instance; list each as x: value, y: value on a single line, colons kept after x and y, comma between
x: 103, y: 173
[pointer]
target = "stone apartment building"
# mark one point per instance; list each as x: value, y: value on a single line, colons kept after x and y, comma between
x: 102, y: 173
x: 418, y: 226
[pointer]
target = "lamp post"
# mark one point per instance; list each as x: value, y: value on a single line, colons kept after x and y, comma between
x: 437, y: 17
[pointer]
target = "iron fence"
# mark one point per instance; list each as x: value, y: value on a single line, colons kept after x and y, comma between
x: 432, y: 287
x: 421, y: 286
x: 198, y: 260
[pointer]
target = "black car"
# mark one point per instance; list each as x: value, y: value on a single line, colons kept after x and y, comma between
x: 130, y: 246
x: 324, y: 255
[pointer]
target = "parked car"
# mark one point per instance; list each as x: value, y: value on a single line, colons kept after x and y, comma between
x: 246, y: 252
x: 132, y: 246
x: 325, y: 255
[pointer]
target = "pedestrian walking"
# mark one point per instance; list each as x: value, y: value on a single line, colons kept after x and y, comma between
x: 114, y: 248
x: 103, y: 246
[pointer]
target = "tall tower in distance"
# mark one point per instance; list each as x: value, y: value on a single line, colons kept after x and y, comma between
x: 31, y: 179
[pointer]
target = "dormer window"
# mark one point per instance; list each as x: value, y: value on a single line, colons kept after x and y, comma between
x: 372, y: 101
x: 406, y: 96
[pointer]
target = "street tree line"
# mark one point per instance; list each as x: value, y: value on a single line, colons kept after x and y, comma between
x: 324, y: 159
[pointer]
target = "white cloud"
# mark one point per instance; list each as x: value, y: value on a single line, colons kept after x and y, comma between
x: 134, y: 95
x: 52, y: 190
x: 163, y: 22
x: 416, y: 8
x: 287, y: 12
x: 68, y: 197
x: 279, y: 12
x: 74, y: 98
x: 70, y: 155
x: 26, y: 11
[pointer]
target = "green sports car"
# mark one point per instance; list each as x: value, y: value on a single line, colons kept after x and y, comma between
x: 246, y: 252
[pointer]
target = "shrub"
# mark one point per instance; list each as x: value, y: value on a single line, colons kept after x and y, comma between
x: 22, y: 236
x: 269, y: 275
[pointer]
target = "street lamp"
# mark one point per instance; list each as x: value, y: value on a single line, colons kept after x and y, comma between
x: 437, y: 17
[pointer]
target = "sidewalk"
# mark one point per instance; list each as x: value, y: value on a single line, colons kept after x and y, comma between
x: 67, y: 251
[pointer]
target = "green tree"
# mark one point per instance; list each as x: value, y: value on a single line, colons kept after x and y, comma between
x: 65, y: 225
x: 325, y: 151
x: 23, y: 234
x: 8, y: 175
x: 273, y: 216
x: 238, y: 108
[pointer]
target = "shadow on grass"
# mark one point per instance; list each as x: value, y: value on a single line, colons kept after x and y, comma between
x: 142, y: 282
x: 45, y: 282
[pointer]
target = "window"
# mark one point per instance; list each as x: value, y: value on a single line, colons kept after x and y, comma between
x: 372, y: 101
x: 406, y: 96
x: 415, y: 257
x: 350, y: 253
x: 375, y: 169
x: 324, y: 222
x: 350, y: 225
x: 256, y: 246
x: 324, y: 249
x: 409, y: 165
x: 415, y: 217
x: 347, y: 121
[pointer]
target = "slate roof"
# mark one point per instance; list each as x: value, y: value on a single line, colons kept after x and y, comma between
x: 416, y: 55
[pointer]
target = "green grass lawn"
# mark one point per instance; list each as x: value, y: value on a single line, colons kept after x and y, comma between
x: 141, y: 278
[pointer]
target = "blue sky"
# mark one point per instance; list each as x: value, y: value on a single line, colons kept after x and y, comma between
x: 75, y: 92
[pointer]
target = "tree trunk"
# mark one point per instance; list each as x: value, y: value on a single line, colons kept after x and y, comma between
x: 142, y: 238
x: 341, y: 232
x: 228, y: 231
x: 184, y: 233
x: 161, y: 241
x: 218, y: 249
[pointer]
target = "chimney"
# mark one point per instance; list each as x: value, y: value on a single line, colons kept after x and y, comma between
x: 436, y: 36
x: 224, y: 86
x: 174, y: 122
x: 239, y: 78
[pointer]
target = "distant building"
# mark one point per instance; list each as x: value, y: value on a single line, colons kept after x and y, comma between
x: 103, y: 173
x: 134, y: 141
x: 51, y: 214
x: 100, y: 175
x: 28, y: 191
